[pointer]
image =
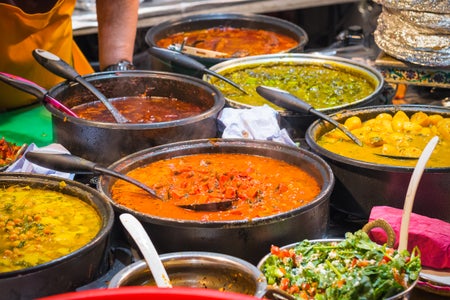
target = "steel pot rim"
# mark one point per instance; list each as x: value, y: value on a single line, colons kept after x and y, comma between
x: 310, y: 137
x: 131, y: 161
x: 219, y: 100
x: 140, y: 265
x: 74, y: 186
x: 151, y: 35
x: 308, y: 58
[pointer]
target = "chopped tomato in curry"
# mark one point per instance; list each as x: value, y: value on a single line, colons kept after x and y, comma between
x: 259, y: 187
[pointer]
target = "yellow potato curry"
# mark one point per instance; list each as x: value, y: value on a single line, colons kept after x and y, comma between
x: 37, y: 226
x: 394, y: 134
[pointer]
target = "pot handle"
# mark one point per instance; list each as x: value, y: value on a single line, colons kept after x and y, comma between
x: 380, y: 223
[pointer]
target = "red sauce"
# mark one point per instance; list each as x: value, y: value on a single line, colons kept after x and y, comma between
x: 140, y: 109
x: 235, y: 42
x: 260, y: 186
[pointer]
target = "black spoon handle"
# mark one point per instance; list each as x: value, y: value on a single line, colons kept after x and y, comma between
x: 55, y: 64
x: 177, y: 58
x: 62, y: 162
x: 73, y: 164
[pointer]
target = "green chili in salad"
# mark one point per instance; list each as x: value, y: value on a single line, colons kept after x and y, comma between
x: 352, y: 268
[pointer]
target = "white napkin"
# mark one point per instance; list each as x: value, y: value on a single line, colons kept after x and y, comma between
x: 259, y: 123
x: 23, y: 165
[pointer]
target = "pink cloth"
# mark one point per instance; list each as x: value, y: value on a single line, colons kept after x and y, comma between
x: 431, y: 236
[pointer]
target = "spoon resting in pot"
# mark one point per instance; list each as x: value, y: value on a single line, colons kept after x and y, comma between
x: 144, y: 243
x: 190, y: 63
x: 289, y: 101
x: 411, y: 191
x: 73, y: 164
x: 34, y: 89
x: 59, y: 67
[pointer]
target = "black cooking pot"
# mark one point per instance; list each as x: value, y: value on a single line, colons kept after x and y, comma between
x: 244, y: 239
x: 297, y: 123
x: 70, y: 271
x: 362, y: 185
x: 107, y: 142
x: 205, y: 21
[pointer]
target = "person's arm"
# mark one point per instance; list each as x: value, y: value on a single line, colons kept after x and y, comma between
x: 117, y: 24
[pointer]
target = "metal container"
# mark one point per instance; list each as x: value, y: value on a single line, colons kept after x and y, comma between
x: 244, y: 239
x: 361, y: 185
x: 297, y: 123
x: 68, y: 272
x: 207, y: 270
x: 107, y: 142
x: 205, y: 21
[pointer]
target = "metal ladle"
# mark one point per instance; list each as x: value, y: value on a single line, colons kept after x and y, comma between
x: 289, y: 101
x: 73, y: 164
x: 59, y: 67
x: 34, y: 89
x: 190, y: 63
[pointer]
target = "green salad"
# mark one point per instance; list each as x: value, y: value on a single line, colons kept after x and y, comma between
x: 353, y: 268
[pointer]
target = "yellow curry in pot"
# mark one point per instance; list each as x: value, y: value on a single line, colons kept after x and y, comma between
x: 392, y: 134
x: 38, y: 226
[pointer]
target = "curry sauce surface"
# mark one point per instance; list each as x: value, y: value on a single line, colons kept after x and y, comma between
x: 259, y: 187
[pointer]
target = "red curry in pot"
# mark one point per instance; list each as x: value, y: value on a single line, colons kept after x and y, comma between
x: 260, y: 187
x: 140, y: 109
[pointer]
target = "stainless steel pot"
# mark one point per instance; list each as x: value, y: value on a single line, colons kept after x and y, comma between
x: 297, y: 123
x: 197, y: 269
x: 107, y: 142
x: 244, y: 239
x: 205, y: 21
x: 361, y: 185
x: 70, y: 271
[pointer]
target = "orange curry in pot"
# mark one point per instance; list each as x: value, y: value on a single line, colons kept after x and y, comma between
x: 260, y: 187
x: 234, y: 42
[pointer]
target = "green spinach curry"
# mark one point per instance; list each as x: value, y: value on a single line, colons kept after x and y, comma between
x: 321, y: 85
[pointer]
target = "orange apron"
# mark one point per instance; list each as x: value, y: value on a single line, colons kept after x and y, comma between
x: 22, y: 33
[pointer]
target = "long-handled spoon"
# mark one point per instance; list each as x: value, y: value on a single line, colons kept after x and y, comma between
x: 59, y: 67
x: 34, y: 89
x: 411, y: 192
x: 190, y: 63
x: 73, y: 164
x: 143, y: 241
x: 289, y: 101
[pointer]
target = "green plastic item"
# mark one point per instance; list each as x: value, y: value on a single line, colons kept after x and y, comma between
x: 31, y: 124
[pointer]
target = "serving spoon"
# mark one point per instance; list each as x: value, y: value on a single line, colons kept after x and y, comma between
x: 144, y: 243
x: 34, y: 89
x: 289, y: 101
x: 59, y: 67
x: 411, y: 191
x: 190, y: 63
x: 73, y: 164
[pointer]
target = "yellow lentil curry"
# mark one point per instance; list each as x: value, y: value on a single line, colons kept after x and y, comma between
x: 321, y: 85
x: 392, y: 134
x: 38, y: 226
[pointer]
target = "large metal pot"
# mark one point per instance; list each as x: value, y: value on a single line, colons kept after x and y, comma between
x: 362, y: 185
x: 205, y: 21
x: 70, y: 271
x: 244, y: 239
x: 107, y: 142
x: 296, y: 122
x: 197, y: 269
